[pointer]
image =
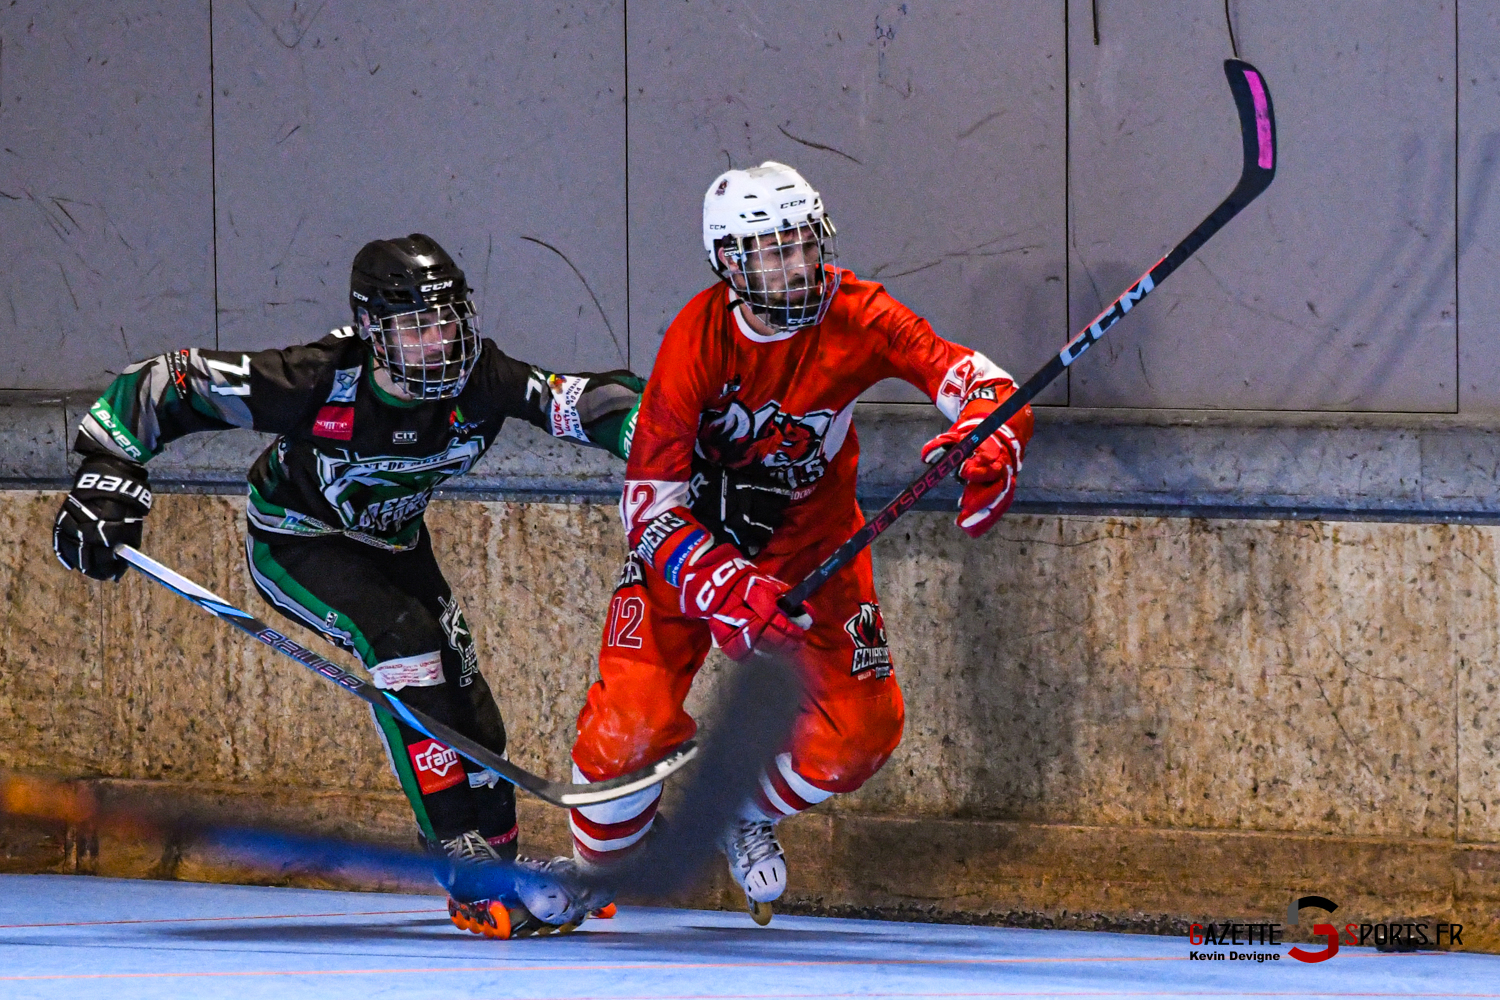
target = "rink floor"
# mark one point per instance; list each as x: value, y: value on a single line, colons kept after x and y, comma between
x: 76, y: 937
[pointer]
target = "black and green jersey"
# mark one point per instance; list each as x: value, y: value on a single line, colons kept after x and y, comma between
x: 349, y: 457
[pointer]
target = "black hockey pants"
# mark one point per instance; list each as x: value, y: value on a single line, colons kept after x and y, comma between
x: 395, y: 612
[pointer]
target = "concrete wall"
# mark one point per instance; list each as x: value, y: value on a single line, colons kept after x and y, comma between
x: 1112, y: 722
x: 1336, y: 290
x: 186, y: 172
x: 183, y: 172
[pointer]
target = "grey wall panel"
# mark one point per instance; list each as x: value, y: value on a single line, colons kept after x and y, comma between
x: 1336, y: 289
x: 105, y: 187
x: 1478, y: 211
x: 934, y: 132
x: 498, y: 129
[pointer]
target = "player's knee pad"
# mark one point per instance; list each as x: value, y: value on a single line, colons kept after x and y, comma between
x: 842, y: 758
x: 616, y: 737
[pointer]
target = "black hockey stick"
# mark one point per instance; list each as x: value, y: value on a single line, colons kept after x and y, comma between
x: 559, y: 793
x: 1258, y: 132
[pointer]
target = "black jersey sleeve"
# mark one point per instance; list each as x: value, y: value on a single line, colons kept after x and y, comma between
x: 165, y: 397
x: 594, y: 408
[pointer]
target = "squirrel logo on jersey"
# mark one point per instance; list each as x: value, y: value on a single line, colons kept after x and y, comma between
x: 789, y: 447
x: 867, y: 629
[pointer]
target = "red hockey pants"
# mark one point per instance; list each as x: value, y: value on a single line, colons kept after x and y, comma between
x: 846, y: 728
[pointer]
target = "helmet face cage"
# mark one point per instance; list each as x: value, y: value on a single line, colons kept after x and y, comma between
x: 787, y: 276
x: 430, y: 353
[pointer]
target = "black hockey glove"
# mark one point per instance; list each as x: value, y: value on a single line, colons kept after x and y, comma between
x: 109, y: 499
x: 737, y: 509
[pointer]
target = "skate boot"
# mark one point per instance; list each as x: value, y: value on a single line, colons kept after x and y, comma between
x: 757, y: 863
x: 570, y: 893
x: 493, y: 918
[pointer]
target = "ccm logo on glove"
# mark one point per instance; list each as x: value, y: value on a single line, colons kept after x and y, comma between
x: 114, y: 484
x: 721, y: 575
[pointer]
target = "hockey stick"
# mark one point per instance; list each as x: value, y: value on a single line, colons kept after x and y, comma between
x: 235, y: 833
x: 751, y: 721
x: 1258, y: 133
x: 559, y: 793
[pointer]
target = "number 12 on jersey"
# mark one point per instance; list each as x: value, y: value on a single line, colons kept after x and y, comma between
x: 625, y: 617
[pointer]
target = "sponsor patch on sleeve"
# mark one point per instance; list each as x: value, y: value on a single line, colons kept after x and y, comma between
x: 422, y: 670
x: 671, y: 570
x: 657, y: 532
x: 566, y: 391
x: 335, y: 422
x: 438, y: 767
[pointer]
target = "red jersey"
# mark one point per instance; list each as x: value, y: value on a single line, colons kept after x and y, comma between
x: 783, y: 402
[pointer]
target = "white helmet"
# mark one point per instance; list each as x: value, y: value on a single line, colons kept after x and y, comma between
x: 780, y: 244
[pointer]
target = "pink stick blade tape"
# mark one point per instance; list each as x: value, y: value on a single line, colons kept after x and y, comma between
x: 1262, y: 120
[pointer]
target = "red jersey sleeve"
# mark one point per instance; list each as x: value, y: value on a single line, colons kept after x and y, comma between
x: 661, y: 452
x: 909, y: 349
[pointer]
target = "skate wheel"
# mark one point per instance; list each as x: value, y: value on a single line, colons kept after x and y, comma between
x: 487, y: 918
x: 500, y: 925
x: 459, y: 914
x: 605, y: 912
x: 760, y: 912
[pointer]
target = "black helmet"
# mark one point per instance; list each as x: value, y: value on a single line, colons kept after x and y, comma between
x: 411, y: 302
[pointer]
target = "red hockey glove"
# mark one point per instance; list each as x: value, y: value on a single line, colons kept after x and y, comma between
x: 717, y: 583
x: 989, y: 475
x: 739, y: 602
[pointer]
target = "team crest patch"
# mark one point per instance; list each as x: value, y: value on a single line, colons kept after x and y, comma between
x: 787, y: 446
x: 867, y: 630
x: 458, y: 425
x: 345, y: 385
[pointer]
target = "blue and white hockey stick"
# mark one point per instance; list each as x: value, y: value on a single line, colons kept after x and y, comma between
x: 558, y: 793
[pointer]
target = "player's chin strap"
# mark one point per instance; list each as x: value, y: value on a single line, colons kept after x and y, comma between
x: 558, y: 793
x: 1252, y: 99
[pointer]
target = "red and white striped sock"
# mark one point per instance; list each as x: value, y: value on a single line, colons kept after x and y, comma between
x: 605, y: 832
x: 783, y: 792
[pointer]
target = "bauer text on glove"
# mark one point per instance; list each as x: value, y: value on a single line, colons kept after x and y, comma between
x: 109, y: 500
